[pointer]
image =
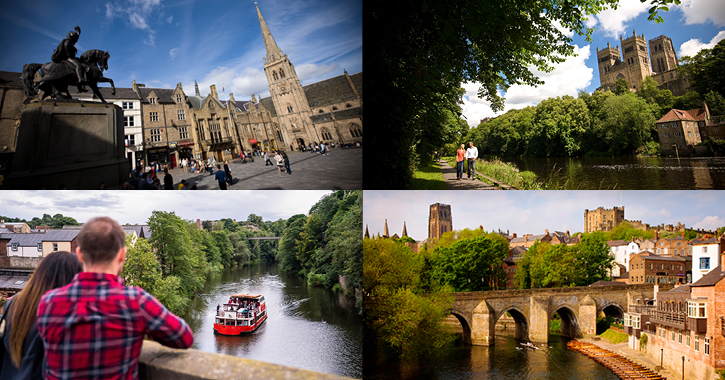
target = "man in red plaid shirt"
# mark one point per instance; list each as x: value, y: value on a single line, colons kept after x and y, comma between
x: 93, y: 327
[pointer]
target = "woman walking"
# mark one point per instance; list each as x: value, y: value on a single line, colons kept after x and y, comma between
x: 228, y: 172
x: 22, y: 346
x: 460, y: 159
x: 280, y: 161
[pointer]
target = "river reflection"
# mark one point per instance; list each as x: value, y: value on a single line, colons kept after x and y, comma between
x: 307, y: 327
x: 627, y: 173
x: 505, y: 360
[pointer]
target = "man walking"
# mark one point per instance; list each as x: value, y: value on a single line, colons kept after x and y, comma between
x: 93, y: 328
x: 221, y: 177
x: 286, y: 162
x: 471, y: 156
x: 267, y: 161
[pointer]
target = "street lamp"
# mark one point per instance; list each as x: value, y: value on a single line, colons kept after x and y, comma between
x: 662, y: 350
x: 683, y: 368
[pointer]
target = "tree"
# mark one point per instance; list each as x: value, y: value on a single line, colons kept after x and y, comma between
x: 592, y: 259
x: 207, y: 225
x: 345, y: 245
x: 286, y: 254
x: 621, y: 87
x: 141, y: 268
x: 648, y: 90
x: 705, y: 69
x: 715, y: 102
x: 627, y: 123
x: 559, y: 125
x: 687, y: 101
x: 472, y: 264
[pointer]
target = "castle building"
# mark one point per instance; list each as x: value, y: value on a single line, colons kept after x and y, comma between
x: 635, y: 62
x: 439, y: 220
x: 603, y: 219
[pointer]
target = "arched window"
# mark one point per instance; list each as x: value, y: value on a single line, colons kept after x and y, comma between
x: 279, y: 136
x: 348, y: 105
x: 274, y: 75
x: 281, y: 73
x: 326, y: 134
x: 355, y: 131
x: 289, y: 108
x: 321, y: 111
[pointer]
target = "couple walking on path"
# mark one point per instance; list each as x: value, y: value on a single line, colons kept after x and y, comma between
x: 469, y: 155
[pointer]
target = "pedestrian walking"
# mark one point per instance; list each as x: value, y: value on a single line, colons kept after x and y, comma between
x: 286, y: 162
x: 221, y: 177
x: 460, y: 155
x: 267, y: 161
x: 471, y: 156
x: 168, y: 180
x: 228, y: 172
x: 280, y: 162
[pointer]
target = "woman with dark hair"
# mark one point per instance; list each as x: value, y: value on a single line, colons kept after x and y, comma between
x: 22, y: 347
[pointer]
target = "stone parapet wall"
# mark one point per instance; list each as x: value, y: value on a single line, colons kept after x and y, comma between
x: 159, y: 362
x: 19, y: 262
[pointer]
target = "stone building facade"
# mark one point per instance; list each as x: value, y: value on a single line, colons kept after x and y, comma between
x: 647, y: 268
x: 603, y: 219
x: 439, y: 220
x: 635, y: 62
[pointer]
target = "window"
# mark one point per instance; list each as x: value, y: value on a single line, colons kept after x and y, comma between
x: 128, y: 121
x: 55, y: 247
x: 156, y: 135
x: 274, y: 75
x: 673, y: 335
x: 14, y: 246
x: 704, y: 263
x: 281, y: 73
x: 348, y: 105
x: 181, y: 114
x: 152, y: 100
x: 334, y: 108
x: 697, y: 343
x: 696, y: 309
x: 40, y: 247
x: 689, y: 134
x: 326, y: 134
x: 129, y: 140
x: 289, y: 108
x: 178, y: 98
x: 704, y: 249
x: 127, y: 105
x: 680, y: 335
x: 154, y: 116
x: 183, y: 132
x: 355, y: 131
x: 687, y: 338
x: 707, y: 346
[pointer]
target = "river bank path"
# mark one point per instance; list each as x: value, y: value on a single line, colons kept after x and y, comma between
x: 633, y: 355
x: 449, y: 176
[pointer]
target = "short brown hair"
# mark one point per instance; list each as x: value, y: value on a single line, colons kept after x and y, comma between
x: 100, y: 240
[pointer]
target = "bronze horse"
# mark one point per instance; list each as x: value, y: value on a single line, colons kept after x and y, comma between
x: 56, y: 77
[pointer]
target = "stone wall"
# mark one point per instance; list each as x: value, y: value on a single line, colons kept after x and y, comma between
x: 19, y: 262
x: 159, y: 362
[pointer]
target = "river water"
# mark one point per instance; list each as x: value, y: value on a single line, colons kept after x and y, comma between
x: 627, y: 173
x: 505, y: 360
x: 308, y: 327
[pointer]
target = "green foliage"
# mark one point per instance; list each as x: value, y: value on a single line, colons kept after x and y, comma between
x: 55, y: 221
x: 471, y: 264
x: 286, y: 253
x: 428, y: 177
x: 141, y: 267
x: 625, y: 231
x: 715, y: 102
x: 169, y: 291
x: 643, y: 342
x: 704, y: 70
x: 396, y: 315
x: 207, y: 225
x: 554, y: 325
x: 621, y: 87
x: 687, y: 101
x: 626, y: 124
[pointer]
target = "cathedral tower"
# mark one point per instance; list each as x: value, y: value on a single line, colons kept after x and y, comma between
x: 635, y: 56
x: 290, y: 101
x: 606, y: 58
x: 663, y: 54
x: 439, y: 220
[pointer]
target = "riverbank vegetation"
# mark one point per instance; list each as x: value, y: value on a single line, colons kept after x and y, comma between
x: 614, y: 337
x: 326, y: 246
x: 403, y: 309
x: 428, y: 177
x: 504, y: 172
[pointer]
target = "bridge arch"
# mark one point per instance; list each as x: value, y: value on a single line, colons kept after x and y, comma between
x: 611, y: 309
x: 569, y: 321
x: 520, y: 319
x: 465, y: 324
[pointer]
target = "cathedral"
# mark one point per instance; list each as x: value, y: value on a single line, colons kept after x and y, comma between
x: 658, y: 60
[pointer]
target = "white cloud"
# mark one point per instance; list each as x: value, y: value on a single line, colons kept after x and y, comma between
x: 694, y: 45
x: 170, y: 19
x: 566, y: 79
x: 173, y: 52
x: 138, y: 21
x: 613, y: 21
x: 701, y: 11
x: 151, y: 39
x: 710, y: 223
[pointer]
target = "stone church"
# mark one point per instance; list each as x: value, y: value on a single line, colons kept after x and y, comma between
x: 659, y: 61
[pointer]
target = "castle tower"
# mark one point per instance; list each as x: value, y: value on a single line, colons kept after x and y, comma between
x: 290, y: 101
x: 664, y: 57
x: 439, y: 220
x: 405, y: 231
x: 606, y: 58
x: 636, y: 59
x: 603, y: 219
x: 386, y: 234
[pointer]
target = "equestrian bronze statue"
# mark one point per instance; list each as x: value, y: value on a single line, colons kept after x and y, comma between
x: 67, y: 70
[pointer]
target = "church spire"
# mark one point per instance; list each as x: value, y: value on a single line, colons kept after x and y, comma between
x: 273, y: 52
x: 367, y: 234
x: 405, y: 231
x: 385, y: 231
x: 196, y: 85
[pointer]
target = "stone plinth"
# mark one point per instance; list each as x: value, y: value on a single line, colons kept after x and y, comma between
x: 77, y: 144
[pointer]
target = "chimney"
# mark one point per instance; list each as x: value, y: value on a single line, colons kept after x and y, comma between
x: 546, y: 232
x: 514, y: 235
x: 567, y: 233
x: 213, y: 92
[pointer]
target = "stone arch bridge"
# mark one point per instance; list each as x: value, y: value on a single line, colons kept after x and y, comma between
x: 532, y: 309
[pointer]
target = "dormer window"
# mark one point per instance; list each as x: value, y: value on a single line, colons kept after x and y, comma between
x: 40, y: 247
x: 178, y: 98
x: 348, y: 105
x: 697, y: 308
x: 14, y: 246
x: 152, y: 100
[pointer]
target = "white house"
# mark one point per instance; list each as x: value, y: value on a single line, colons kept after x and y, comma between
x: 621, y: 250
x: 26, y: 245
x: 705, y: 256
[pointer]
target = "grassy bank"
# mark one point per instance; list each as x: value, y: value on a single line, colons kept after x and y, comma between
x: 504, y: 172
x: 428, y: 177
x: 614, y: 337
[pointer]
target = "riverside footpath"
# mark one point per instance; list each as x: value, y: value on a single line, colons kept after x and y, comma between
x: 631, y: 354
x: 341, y: 169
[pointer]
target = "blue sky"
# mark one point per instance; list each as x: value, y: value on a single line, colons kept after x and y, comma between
x: 160, y: 43
x: 135, y: 207
x: 532, y: 212
x: 692, y: 25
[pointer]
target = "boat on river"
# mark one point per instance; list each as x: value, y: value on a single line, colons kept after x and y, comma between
x: 243, y: 314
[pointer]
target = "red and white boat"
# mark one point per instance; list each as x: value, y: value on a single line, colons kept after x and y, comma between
x: 243, y: 314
